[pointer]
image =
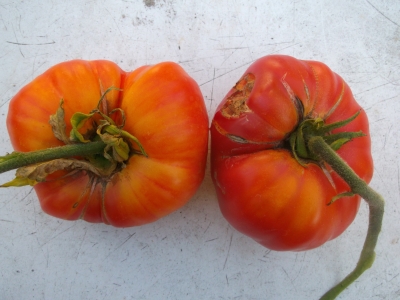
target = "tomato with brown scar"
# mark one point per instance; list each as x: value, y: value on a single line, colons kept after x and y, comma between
x: 269, y: 186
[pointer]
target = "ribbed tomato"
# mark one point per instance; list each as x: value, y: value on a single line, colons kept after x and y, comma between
x: 163, y: 108
x: 264, y: 190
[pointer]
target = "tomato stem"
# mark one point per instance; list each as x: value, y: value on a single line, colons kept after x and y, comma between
x: 376, y: 203
x: 17, y: 160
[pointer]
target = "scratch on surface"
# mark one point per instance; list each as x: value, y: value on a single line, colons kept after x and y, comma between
x: 259, y: 273
x: 280, y: 50
x: 301, y: 265
x: 4, y: 23
x: 383, y: 15
x: 229, y: 250
x: 47, y: 258
x: 398, y: 178
x: 10, y: 200
x: 151, y: 287
x: 115, y: 23
x: 3, y: 220
x: 120, y: 245
x: 26, y: 196
x: 373, y: 88
x: 377, y: 120
x: 398, y: 182
x: 34, y: 210
x: 245, y: 40
x: 395, y: 276
x: 285, y: 272
x: 234, y: 50
x: 207, y: 227
x: 386, y: 135
x: 291, y: 281
x: 15, y: 35
x: 80, y: 246
x: 267, y: 252
x: 246, y: 64
x: 383, y: 181
x: 241, y: 66
x: 211, y: 240
x: 31, y: 44
x: 230, y: 36
x: 212, y: 92
x: 380, y: 102
x: 34, y: 69
x: 48, y: 241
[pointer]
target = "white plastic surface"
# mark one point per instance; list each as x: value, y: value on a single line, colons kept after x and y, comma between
x: 194, y: 253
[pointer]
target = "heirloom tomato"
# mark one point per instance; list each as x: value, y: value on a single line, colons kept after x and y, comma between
x: 266, y: 189
x: 159, y: 107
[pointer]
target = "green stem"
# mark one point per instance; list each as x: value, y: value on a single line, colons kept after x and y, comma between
x: 376, y: 209
x: 17, y: 160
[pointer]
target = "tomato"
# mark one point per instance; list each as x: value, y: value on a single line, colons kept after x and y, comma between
x: 163, y: 109
x: 263, y: 189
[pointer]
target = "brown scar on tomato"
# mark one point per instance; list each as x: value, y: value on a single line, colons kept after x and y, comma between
x: 232, y: 137
x: 236, y: 103
x: 241, y: 140
x: 295, y: 99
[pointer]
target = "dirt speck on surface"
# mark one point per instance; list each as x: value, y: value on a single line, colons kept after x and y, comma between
x: 149, y: 3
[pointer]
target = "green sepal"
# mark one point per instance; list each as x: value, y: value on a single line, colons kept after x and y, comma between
x: 336, y: 145
x: 341, y: 195
x: 78, y: 120
x: 135, y: 140
x: 301, y: 148
x: 336, y: 125
x: 111, y: 88
x: 122, y: 113
x: 19, y: 181
x: 292, y: 142
x: 116, y: 132
x: 103, y: 110
x: 106, y: 118
x: 120, y: 149
x: 337, y: 140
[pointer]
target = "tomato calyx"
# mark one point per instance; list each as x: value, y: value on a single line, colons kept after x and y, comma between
x: 97, y: 139
x: 100, y: 125
x: 308, y: 128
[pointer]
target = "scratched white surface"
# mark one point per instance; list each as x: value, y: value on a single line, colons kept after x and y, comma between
x: 194, y: 253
